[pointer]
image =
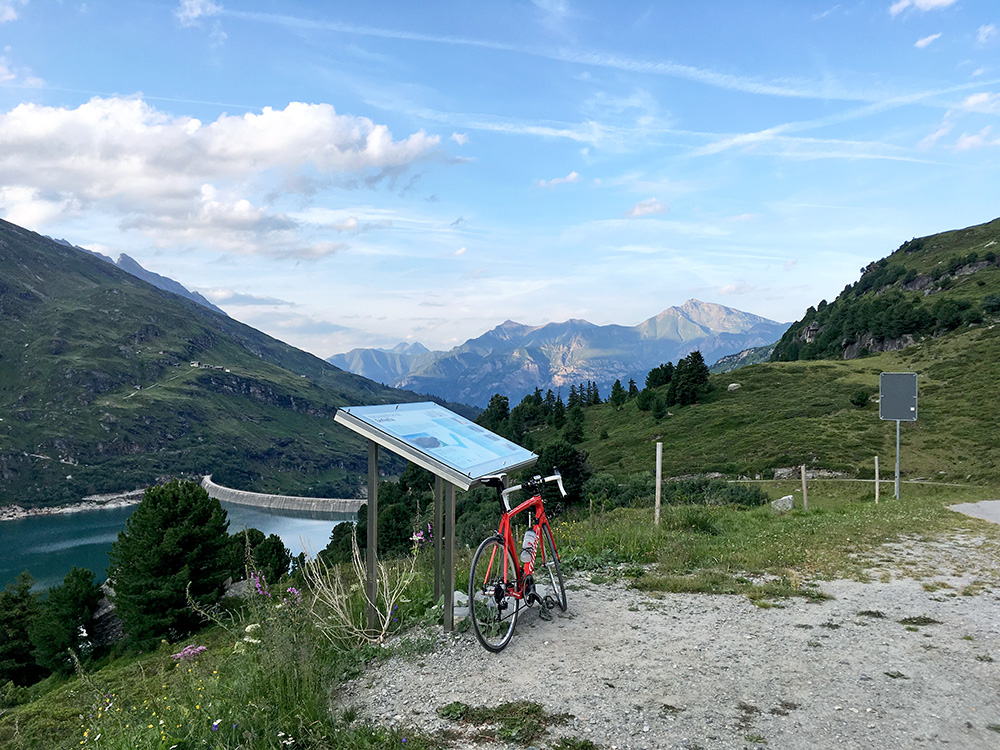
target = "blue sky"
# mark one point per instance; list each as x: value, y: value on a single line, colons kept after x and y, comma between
x: 359, y: 174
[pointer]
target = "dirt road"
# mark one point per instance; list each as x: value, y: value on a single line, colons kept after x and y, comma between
x: 911, y: 659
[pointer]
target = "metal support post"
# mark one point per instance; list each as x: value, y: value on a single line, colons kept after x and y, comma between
x: 371, y: 585
x: 438, y: 538
x: 449, y: 558
x: 897, y: 459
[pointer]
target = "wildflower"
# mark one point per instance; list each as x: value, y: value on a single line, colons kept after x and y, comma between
x: 215, y: 725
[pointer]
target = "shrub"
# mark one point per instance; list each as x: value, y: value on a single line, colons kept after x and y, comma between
x: 705, y: 491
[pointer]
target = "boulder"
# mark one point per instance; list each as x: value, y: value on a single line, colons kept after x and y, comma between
x: 783, y: 504
x: 734, y: 387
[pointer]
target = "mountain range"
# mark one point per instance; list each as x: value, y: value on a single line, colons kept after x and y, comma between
x: 108, y: 383
x: 129, y: 264
x: 514, y: 359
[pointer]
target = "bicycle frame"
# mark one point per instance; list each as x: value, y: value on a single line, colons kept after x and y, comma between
x: 534, y: 504
x: 499, y: 581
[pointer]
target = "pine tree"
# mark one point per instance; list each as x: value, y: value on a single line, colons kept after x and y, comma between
x: 65, y: 621
x: 175, y: 540
x: 618, y: 395
x: 550, y: 401
x: 633, y: 389
x: 559, y: 413
x: 574, y: 397
x: 494, y: 417
x: 272, y: 558
x: 574, y: 426
x: 18, y: 608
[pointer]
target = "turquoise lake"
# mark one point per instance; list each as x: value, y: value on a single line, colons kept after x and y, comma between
x: 49, y: 546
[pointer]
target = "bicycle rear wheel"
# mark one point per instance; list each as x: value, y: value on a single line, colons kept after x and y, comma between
x: 550, y: 562
x: 492, y: 607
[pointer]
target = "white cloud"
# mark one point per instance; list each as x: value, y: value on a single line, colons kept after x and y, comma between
x: 8, y: 9
x: 898, y: 7
x: 460, y: 138
x: 986, y: 33
x: 978, y: 140
x: 9, y: 74
x: 229, y: 297
x: 790, y: 264
x: 930, y: 140
x: 191, y: 10
x: 738, y: 287
x: 648, y: 207
x: 183, y: 180
x: 985, y: 102
x: 571, y: 177
x: 460, y: 251
x: 346, y: 225
x: 927, y: 40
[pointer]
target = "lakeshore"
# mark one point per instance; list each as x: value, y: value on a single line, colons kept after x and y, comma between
x: 16, y: 512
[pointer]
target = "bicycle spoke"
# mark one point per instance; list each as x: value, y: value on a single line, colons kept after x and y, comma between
x: 492, y: 608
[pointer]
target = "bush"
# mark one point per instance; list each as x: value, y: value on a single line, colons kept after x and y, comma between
x: 712, y: 492
x: 991, y: 304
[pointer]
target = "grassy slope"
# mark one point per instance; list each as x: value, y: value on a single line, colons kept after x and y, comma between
x: 790, y: 413
x: 80, y: 335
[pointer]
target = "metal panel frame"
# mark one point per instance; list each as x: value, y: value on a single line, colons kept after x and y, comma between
x: 412, y: 453
x: 895, y: 394
x: 446, y: 479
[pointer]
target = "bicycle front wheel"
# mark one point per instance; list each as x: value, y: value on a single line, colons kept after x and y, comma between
x: 492, y: 606
x: 554, y: 576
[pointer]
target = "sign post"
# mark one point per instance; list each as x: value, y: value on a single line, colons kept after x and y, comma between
x: 897, y: 401
x: 456, y: 451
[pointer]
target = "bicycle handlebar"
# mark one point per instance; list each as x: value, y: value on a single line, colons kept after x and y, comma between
x: 537, y: 480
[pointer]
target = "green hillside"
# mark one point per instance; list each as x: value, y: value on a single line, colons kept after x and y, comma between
x: 928, y: 287
x: 97, y: 391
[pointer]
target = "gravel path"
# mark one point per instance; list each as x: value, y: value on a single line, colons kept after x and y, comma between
x: 700, y: 671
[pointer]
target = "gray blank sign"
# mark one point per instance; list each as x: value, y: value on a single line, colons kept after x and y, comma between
x: 898, y: 396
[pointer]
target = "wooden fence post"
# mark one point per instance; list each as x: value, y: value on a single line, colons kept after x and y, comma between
x: 876, y: 480
x: 805, y: 497
x: 659, y: 480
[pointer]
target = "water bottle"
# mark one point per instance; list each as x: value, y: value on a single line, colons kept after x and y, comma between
x: 528, y: 547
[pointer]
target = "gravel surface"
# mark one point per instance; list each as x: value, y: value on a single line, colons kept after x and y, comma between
x: 702, y: 671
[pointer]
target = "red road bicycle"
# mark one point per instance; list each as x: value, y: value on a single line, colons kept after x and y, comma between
x: 500, y: 578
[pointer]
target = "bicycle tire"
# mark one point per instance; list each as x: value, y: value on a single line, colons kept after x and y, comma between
x: 492, y: 608
x: 551, y: 563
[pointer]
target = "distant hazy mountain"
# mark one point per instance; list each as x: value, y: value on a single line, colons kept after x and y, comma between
x: 514, y: 359
x: 132, y: 266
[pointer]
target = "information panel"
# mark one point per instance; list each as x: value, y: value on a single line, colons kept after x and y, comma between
x: 898, y: 396
x: 437, y: 439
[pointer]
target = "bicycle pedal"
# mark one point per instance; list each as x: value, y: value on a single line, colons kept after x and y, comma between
x: 549, y: 602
